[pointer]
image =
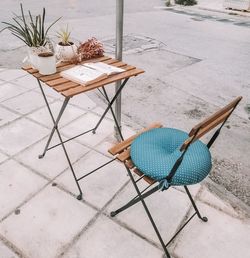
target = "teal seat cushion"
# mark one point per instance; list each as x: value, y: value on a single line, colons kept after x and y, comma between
x: 156, y: 151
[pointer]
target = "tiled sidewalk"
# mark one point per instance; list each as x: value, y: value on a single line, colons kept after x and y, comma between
x: 40, y: 216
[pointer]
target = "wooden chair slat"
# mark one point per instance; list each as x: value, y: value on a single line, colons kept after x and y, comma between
x: 206, y: 129
x: 216, y: 115
x: 75, y: 91
x: 119, y: 147
x: 149, y: 180
x: 129, y: 164
x: 125, y: 155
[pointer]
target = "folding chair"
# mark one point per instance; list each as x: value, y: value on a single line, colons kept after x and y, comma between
x: 167, y: 157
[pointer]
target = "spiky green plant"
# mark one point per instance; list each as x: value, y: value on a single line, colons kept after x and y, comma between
x: 64, y: 36
x: 30, y: 29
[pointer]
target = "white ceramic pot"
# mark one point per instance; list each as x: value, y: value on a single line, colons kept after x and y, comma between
x: 33, y: 53
x: 65, y: 53
x: 46, y: 63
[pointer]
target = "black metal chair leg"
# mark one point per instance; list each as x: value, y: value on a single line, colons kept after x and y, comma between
x: 148, y: 214
x: 205, y: 219
x: 134, y: 201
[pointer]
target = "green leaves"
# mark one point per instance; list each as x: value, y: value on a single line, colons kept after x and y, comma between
x: 64, y: 36
x: 30, y: 29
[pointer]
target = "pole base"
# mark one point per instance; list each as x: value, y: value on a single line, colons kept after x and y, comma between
x: 41, y: 156
x: 79, y: 197
x: 204, y: 219
x: 113, y: 213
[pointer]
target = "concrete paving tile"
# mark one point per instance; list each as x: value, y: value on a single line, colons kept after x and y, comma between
x: 221, y: 237
x: 9, y: 90
x: 104, y: 146
x: 2, y: 157
x: 54, y: 162
x: 6, y: 252
x: 26, y: 102
x: 99, y: 110
x: 107, y: 239
x: 17, y: 183
x: 43, y: 116
x: 46, y: 223
x: 99, y: 187
x: 20, y: 134
x: 85, y: 123
x: 127, y: 131
x: 111, y: 140
x: 193, y: 189
x: 28, y: 81
x: 167, y: 208
x: 83, y: 101
x: 213, y: 200
x: 6, y: 116
x: 11, y: 74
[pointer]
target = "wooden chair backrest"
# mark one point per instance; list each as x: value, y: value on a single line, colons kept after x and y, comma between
x: 211, y: 122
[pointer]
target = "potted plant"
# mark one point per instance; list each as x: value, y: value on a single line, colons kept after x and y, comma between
x: 66, y: 50
x: 32, y: 31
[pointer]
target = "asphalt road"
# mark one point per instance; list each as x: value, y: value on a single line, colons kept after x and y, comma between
x: 195, y: 62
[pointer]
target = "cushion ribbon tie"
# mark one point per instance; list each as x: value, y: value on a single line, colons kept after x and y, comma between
x: 164, y: 184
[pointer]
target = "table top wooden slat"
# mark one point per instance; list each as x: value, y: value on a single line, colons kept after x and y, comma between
x: 61, y: 80
x: 67, y: 85
x: 69, y: 88
x: 57, y: 75
x: 113, y: 78
x: 46, y: 78
x: 65, y: 65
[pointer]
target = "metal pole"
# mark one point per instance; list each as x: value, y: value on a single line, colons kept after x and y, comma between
x: 118, y: 55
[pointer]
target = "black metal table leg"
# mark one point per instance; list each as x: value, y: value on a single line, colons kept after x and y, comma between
x: 55, y: 122
x: 113, y: 114
x: 110, y: 104
x: 55, y: 128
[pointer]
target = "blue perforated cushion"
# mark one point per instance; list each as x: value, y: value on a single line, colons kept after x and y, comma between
x: 155, y: 152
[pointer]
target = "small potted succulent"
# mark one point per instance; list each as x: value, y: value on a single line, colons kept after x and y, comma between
x: 32, y: 31
x: 66, y: 49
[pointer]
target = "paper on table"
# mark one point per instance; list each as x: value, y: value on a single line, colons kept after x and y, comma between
x: 83, y: 74
x: 104, y: 68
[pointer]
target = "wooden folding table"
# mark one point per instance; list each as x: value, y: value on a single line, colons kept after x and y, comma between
x: 69, y: 89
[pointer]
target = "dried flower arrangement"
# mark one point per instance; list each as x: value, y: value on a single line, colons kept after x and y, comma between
x: 89, y: 49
